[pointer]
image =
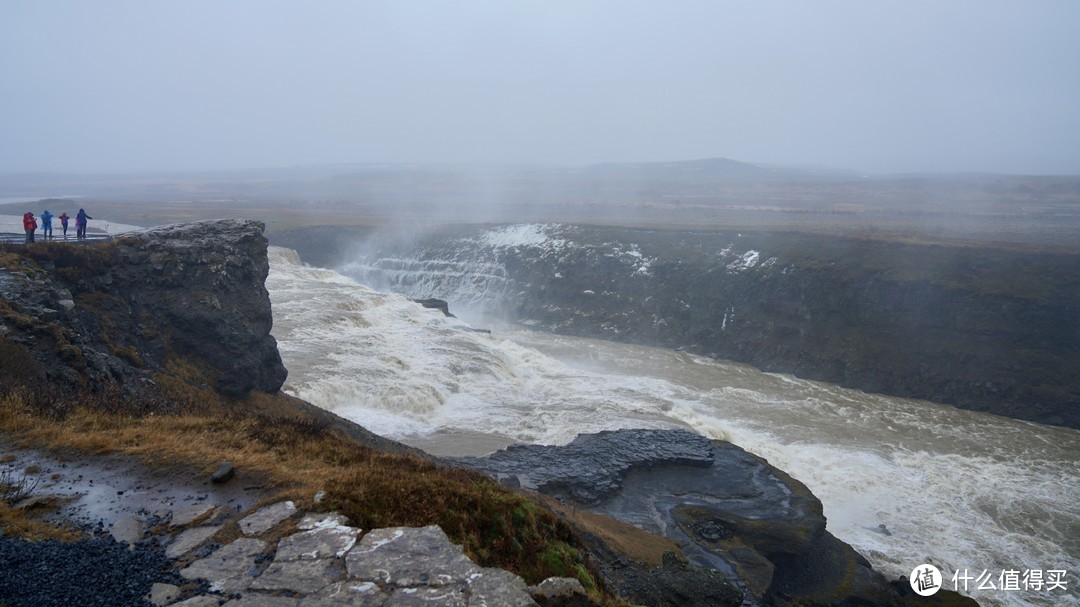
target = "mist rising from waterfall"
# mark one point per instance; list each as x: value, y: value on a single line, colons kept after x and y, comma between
x: 961, y: 489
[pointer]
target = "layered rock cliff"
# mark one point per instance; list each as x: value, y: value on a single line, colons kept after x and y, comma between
x: 983, y: 328
x: 986, y: 330
x: 178, y: 301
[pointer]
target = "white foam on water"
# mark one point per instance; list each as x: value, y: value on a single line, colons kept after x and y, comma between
x: 958, y: 489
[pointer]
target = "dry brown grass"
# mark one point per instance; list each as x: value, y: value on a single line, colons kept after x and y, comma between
x: 295, y: 456
x: 69, y: 261
x: 21, y: 523
x: 283, y: 449
x: 259, y: 445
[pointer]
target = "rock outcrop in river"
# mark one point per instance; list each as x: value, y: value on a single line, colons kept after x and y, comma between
x: 727, y: 509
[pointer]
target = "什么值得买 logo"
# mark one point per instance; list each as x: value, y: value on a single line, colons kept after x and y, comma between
x: 925, y: 579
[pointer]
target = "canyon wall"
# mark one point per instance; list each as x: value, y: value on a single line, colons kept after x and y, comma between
x: 982, y: 328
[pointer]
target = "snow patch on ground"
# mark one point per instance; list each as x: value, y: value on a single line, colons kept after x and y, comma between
x: 631, y: 255
x: 521, y: 235
x: 744, y: 262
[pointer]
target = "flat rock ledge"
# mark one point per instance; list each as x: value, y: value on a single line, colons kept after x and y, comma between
x: 320, y: 561
x: 730, y: 512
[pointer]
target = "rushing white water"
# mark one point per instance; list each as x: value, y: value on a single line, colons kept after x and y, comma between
x: 959, y: 489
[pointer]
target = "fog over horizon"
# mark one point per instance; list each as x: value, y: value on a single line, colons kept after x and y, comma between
x: 883, y: 87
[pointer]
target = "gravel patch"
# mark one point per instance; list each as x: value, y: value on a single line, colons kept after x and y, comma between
x: 89, y: 573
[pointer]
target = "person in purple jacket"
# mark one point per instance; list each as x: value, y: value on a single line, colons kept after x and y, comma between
x: 80, y: 224
x: 64, y: 217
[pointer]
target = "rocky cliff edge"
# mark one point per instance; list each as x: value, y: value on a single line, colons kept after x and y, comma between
x: 182, y: 300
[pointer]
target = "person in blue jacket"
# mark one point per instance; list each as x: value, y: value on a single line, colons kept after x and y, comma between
x: 80, y: 224
x: 46, y: 224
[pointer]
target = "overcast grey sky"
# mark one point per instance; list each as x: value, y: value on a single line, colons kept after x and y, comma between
x: 909, y: 85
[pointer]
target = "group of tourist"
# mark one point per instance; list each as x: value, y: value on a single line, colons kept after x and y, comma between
x: 30, y: 224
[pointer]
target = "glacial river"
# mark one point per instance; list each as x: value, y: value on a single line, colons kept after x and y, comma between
x: 968, y: 492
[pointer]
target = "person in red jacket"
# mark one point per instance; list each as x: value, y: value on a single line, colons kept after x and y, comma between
x: 30, y: 225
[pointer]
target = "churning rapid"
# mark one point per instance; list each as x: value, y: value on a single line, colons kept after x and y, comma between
x: 958, y: 489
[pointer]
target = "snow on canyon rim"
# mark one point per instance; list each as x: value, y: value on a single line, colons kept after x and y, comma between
x: 959, y: 489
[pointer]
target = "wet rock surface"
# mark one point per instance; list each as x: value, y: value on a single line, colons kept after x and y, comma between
x: 674, y: 582
x: 734, y: 517
x: 209, y: 552
x: 729, y: 511
x: 108, y: 491
x: 593, y: 466
x: 324, y: 565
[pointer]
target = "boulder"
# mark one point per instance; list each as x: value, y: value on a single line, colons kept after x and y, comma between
x: 560, y: 592
x: 436, y: 304
x: 741, y: 524
x: 224, y: 472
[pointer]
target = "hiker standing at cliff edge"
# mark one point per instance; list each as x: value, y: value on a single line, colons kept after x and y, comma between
x: 64, y: 217
x: 29, y: 224
x: 80, y: 224
x: 46, y: 224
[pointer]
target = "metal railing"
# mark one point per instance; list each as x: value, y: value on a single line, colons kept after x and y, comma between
x: 20, y: 238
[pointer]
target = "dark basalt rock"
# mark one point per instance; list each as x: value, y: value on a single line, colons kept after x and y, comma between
x: 207, y: 281
x: 191, y: 295
x: 224, y: 473
x: 674, y: 582
x: 593, y: 466
x: 728, y: 510
x: 983, y: 328
x: 943, y: 598
x: 436, y: 304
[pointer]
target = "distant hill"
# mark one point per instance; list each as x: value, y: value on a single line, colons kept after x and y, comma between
x: 708, y: 170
